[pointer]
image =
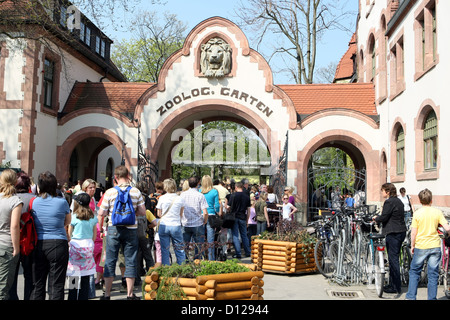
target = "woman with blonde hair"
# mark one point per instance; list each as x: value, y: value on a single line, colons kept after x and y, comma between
x: 214, y: 208
x: 289, y: 192
x: 10, y: 212
x: 89, y: 186
x: 170, y: 209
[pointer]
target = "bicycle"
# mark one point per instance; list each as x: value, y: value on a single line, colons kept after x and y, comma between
x: 405, y: 259
x: 325, y: 235
x: 341, y: 252
x: 375, y: 254
x: 359, y: 246
x: 445, y: 257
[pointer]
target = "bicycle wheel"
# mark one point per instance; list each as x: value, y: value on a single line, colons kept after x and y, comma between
x: 405, y: 262
x: 333, y: 254
x: 358, y: 256
x: 323, y: 259
x: 379, y: 274
x: 368, y: 266
x: 445, y: 258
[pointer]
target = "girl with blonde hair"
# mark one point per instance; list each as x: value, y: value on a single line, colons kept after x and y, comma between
x: 10, y: 212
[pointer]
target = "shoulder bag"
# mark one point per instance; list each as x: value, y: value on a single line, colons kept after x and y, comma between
x: 168, y: 209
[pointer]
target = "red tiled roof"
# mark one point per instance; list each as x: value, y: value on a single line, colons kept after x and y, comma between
x: 344, y: 69
x: 124, y: 96
x: 118, y: 96
x: 310, y: 98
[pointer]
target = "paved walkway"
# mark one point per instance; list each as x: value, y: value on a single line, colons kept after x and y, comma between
x: 294, y: 287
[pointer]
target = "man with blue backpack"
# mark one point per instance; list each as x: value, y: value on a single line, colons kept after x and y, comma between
x: 121, y: 204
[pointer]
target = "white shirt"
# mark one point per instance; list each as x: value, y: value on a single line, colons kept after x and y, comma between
x: 194, y: 204
x: 405, y: 201
x: 287, y: 208
x: 172, y: 217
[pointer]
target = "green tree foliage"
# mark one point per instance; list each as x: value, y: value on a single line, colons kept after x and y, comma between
x: 153, y: 40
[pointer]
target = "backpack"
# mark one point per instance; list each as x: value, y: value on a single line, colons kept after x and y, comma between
x: 28, y: 235
x: 123, y: 211
x: 142, y: 227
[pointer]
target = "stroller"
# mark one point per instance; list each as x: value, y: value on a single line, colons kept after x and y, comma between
x: 220, y: 240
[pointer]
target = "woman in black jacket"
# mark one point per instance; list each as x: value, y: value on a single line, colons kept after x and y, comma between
x: 394, y: 228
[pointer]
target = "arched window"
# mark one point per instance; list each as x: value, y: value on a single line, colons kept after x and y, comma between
x: 430, y: 140
x: 373, y: 63
x: 400, y: 142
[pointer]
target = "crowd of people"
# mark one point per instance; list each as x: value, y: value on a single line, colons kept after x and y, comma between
x: 78, y: 244
x: 80, y: 240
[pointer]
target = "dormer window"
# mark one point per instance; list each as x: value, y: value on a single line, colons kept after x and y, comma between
x: 103, y: 48
x: 97, y: 44
x: 88, y: 36
x: 82, y: 32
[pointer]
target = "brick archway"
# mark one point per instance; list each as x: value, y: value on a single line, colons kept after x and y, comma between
x: 65, y: 151
x: 228, y: 110
x: 355, y: 144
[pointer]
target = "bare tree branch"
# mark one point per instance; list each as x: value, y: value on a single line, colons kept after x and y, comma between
x: 302, y: 23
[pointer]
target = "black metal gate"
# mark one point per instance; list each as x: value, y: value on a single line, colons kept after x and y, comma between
x: 278, y: 180
x: 330, y: 186
x: 147, y: 170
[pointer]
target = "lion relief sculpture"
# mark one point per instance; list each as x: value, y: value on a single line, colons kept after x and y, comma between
x: 215, y: 59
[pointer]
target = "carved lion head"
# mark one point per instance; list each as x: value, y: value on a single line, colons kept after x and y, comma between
x: 215, y: 60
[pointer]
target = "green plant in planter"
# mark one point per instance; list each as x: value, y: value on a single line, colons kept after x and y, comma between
x: 291, y: 231
x: 170, y: 290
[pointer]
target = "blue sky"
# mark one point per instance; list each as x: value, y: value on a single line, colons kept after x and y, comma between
x: 331, y: 48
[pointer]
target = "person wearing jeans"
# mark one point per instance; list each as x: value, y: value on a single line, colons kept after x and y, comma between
x: 121, y: 235
x: 239, y: 204
x: 195, y: 216
x: 433, y: 257
x: 214, y: 208
x: 174, y: 233
x: 170, y: 209
x: 425, y: 245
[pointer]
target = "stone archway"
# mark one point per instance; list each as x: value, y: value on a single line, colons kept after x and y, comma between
x: 356, y: 146
x: 160, y: 145
x: 105, y: 136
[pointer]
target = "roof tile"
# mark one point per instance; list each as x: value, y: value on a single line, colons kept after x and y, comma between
x: 118, y: 96
x: 311, y: 98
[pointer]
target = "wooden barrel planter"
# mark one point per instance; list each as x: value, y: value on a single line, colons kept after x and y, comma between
x: 229, y: 286
x: 283, y: 257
